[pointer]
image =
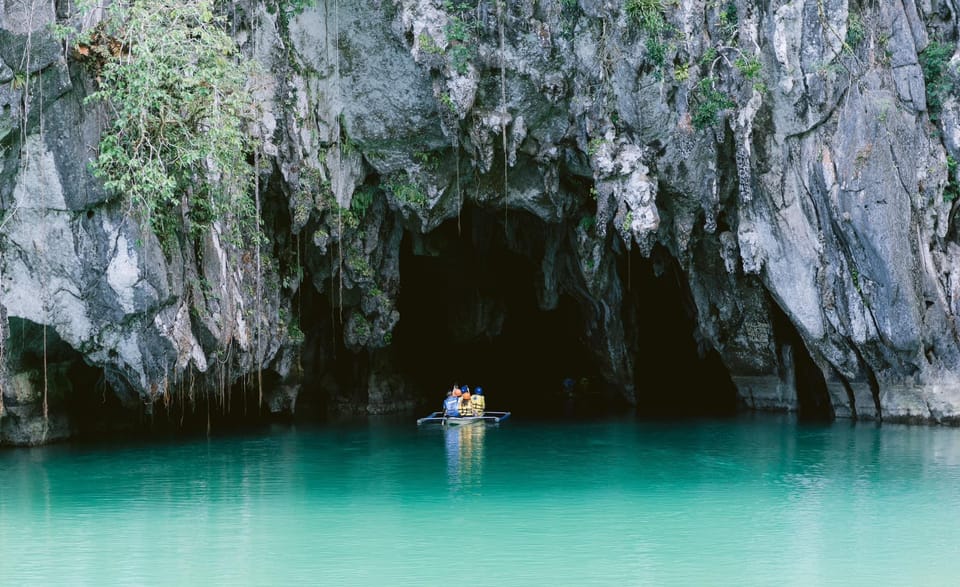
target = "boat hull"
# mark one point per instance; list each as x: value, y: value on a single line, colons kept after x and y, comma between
x: 465, y: 421
x: 488, y: 417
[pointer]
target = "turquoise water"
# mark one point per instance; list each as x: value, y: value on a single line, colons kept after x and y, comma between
x: 750, y: 501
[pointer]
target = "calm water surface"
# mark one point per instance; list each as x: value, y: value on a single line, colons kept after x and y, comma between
x: 752, y: 501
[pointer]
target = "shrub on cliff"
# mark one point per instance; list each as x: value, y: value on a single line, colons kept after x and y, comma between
x: 178, y: 144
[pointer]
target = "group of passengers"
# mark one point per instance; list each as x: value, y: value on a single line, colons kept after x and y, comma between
x: 461, y: 402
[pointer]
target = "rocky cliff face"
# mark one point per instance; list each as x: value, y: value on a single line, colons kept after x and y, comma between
x: 792, y: 163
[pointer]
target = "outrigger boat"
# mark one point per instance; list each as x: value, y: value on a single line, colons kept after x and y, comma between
x: 439, y: 418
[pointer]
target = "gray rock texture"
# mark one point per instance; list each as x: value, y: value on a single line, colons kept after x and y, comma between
x: 786, y: 155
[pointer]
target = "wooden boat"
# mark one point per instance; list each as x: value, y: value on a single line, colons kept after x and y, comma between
x: 487, y: 417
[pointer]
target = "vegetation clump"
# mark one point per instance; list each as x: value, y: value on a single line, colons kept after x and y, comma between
x: 178, y: 145
x: 935, y: 63
x: 647, y: 14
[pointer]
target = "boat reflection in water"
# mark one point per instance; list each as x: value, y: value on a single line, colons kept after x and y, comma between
x: 464, y: 455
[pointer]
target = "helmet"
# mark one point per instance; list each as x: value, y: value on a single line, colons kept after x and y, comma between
x: 466, y: 389
x: 478, y: 391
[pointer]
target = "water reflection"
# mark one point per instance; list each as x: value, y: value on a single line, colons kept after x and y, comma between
x: 464, y: 455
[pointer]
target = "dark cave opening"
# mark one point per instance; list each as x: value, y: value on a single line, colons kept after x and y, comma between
x: 523, y: 364
x: 813, y: 399
x: 675, y: 375
x: 469, y: 314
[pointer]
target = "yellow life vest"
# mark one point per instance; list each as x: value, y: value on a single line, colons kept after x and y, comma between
x: 478, y: 404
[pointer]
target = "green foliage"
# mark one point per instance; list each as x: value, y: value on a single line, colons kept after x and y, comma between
x: 709, y: 55
x: 406, y: 190
x: 361, y: 325
x: 460, y: 56
x: 729, y: 21
x: 294, y: 7
x: 856, y: 31
x: 178, y: 144
x: 587, y: 223
x: 361, y: 201
x: 748, y: 66
x: 457, y: 31
x: 347, y: 146
x: 459, y: 35
x: 647, y: 14
x: 427, y: 159
x: 295, y: 334
x: 459, y: 6
x: 656, y: 51
x: 447, y: 101
x: 710, y: 103
x: 427, y: 45
x: 19, y: 80
x: 952, y: 190
x: 358, y: 263
x: 594, y: 146
x: 935, y: 61
x: 570, y: 11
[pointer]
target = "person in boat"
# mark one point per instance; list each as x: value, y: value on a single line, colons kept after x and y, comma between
x: 477, y: 402
x: 451, y: 405
x: 466, y: 408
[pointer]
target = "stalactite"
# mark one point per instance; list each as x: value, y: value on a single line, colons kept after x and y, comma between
x: 46, y: 405
x: 459, y: 193
x: 501, y: 17
x: 336, y: 47
x: 259, y: 316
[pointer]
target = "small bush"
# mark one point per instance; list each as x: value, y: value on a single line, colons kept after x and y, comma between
x: 710, y: 103
x: 647, y: 14
x: 178, y: 145
x: 935, y: 61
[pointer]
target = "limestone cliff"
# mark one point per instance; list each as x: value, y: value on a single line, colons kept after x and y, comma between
x: 793, y: 161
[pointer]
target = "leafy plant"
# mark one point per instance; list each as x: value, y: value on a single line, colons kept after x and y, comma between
x: 427, y: 44
x: 656, y: 50
x: 935, y: 61
x: 406, y: 190
x: 460, y: 56
x: 459, y: 5
x: 458, y: 36
x: 710, y: 103
x: 952, y: 190
x: 594, y: 146
x: 447, y: 101
x: 361, y: 201
x: 748, y: 66
x: 856, y: 31
x: 177, y: 146
x: 729, y: 20
x: 647, y: 14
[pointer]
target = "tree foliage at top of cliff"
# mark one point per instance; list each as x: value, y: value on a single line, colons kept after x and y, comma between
x: 178, y: 144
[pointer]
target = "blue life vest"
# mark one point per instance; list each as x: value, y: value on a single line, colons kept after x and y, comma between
x: 451, y: 406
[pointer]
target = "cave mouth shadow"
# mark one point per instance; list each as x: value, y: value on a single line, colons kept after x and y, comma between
x: 675, y: 375
x: 457, y: 284
x: 469, y: 314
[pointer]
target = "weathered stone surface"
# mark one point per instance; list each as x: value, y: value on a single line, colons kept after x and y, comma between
x: 810, y: 212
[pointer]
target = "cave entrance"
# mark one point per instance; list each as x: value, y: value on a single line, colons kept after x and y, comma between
x: 675, y: 376
x: 813, y: 398
x: 469, y: 314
